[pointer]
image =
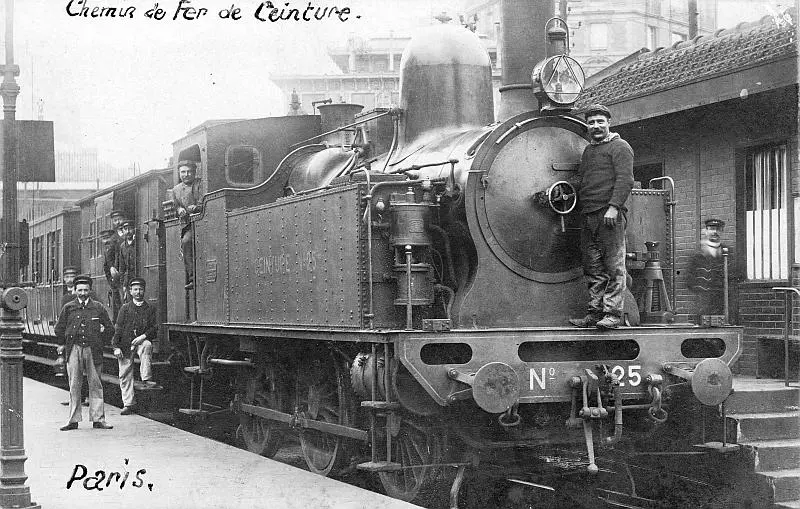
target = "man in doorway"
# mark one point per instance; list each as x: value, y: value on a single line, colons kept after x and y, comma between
x: 126, y: 257
x: 186, y: 197
x: 82, y: 327
x: 706, y: 273
x: 604, y: 182
x: 109, y: 261
x: 134, y: 334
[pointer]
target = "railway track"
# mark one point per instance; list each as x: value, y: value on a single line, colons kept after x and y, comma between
x: 559, y: 481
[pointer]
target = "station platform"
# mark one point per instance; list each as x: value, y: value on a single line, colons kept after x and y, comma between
x: 176, y: 469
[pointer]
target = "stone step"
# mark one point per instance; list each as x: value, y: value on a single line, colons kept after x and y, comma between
x: 772, y: 455
x: 763, y: 398
x: 767, y: 425
x: 786, y: 484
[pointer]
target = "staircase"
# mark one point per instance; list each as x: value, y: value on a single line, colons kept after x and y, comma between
x: 765, y: 416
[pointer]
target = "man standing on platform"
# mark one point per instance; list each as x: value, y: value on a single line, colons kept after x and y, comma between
x: 134, y: 334
x: 69, y: 285
x: 82, y: 326
x: 186, y: 197
x: 604, y: 182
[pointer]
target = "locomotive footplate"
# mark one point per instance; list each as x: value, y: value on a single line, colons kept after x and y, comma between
x: 500, y: 367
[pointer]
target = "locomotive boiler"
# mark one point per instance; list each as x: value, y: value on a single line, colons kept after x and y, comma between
x: 396, y: 290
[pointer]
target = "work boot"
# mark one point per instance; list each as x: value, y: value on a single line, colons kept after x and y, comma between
x: 128, y: 410
x: 587, y: 321
x: 609, y: 322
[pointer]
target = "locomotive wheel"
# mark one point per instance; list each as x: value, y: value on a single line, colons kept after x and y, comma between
x: 415, y: 448
x: 323, y: 395
x: 263, y: 436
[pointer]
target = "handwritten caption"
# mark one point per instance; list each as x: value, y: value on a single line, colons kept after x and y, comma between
x: 102, y: 479
x: 191, y: 10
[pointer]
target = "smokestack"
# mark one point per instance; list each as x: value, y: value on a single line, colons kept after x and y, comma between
x: 523, y: 46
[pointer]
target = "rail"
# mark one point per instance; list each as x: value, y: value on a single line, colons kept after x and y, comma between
x: 787, y: 330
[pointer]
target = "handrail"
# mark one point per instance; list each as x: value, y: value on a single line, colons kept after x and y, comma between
x: 788, y: 325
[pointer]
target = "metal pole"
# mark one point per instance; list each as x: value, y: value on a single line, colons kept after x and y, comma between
x: 13, y: 490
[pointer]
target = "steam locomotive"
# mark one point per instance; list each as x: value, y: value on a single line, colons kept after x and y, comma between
x: 393, y: 286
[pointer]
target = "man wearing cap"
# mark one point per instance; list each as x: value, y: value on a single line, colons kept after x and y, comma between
x: 126, y: 257
x: 68, y: 276
x: 135, y: 331
x: 109, y: 262
x: 82, y: 326
x: 604, y: 181
x: 186, y: 197
x: 706, y: 272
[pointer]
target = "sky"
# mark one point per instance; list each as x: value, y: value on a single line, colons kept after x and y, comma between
x: 130, y: 87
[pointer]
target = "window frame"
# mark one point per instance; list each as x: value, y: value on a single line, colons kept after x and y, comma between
x: 258, y: 166
x: 783, y: 198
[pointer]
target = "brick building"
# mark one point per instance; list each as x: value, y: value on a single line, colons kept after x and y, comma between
x: 719, y: 115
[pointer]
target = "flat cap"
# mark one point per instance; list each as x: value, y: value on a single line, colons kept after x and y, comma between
x: 138, y: 281
x: 117, y: 212
x: 188, y: 163
x: 83, y: 279
x: 597, y: 109
x: 128, y: 222
x: 70, y: 270
x: 107, y: 233
x: 715, y: 223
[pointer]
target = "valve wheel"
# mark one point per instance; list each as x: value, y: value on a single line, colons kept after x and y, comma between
x: 562, y: 197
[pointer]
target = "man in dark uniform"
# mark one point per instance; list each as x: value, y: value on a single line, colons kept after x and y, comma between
x: 186, y: 197
x: 68, y: 276
x: 109, y: 261
x: 126, y: 257
x: 604, y: 182
x: 136, y: 329
x: 706, y: 272
x: 82, y: 326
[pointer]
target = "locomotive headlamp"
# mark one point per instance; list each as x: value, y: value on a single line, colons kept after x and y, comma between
x: 559, y: 79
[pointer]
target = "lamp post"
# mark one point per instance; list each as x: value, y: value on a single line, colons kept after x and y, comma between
x: 13, y: 490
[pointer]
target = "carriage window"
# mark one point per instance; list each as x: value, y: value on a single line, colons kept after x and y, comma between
x: 53, y: 248
x: 766, y: 221
x: 91, y: 240
x: 36, y: 266
x: 242, y: 165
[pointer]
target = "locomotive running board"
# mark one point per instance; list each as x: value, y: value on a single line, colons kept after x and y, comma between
x: 302, y: 422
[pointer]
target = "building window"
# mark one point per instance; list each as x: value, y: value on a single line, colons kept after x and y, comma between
x: 652, y: 37
x: 766, y: 201
x: 598, y: 35
x: 366, y: 100
x: 242, y: 165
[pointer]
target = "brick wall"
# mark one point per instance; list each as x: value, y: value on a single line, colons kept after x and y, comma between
x: 701, y: 156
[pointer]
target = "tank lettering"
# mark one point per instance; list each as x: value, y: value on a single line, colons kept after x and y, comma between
x: 275, y: 265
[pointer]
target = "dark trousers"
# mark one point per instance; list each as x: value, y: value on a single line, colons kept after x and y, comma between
x: 604, y: 262
x: 187, y: 251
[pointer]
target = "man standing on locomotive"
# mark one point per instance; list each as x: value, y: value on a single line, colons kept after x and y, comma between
x: 136, y: 328
x: 126, y: 257
x: 603, y: 183
x: 109, y: 262
x: 82, y: 326
x: 186, y: 197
